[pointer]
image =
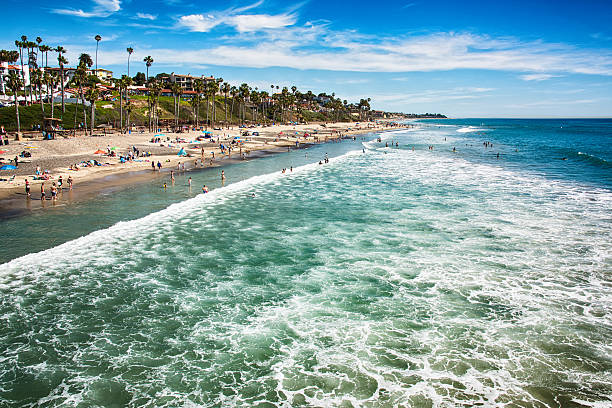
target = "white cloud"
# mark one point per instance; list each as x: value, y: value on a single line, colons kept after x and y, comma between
x: 538, y: 77
x: 318, y: 48
x: 146, y: 16
x: 242, y: 22
x: 102, y: 8
x: 235, y: 17
x: 256, y: 22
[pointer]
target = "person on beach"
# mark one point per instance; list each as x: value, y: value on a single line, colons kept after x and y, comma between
x: 53, y: 192
x: 159, y: 166
x: 204, y: 189
x: 27, y: 188
x: 60, y: 182
x: 43, y: 195
x: 189, y: 182
x: 70, y: 182
x: 223, y: 175
x: 172, y: 176
x: 153, y: 165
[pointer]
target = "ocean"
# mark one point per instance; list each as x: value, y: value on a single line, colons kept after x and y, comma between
x: 402, y: 276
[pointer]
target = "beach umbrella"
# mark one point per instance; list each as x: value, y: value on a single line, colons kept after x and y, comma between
x: 8, y: 167
x: 99, y: 152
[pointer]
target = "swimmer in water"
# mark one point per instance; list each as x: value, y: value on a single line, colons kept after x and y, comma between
x: 204, y: 189
x: 189, y: 181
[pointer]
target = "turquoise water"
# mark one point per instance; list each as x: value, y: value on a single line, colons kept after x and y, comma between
x: 387, y: 278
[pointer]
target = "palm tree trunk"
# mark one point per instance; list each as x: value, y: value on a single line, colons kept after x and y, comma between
x: 62, y: 83
x: 175, y: 117
x: 84, y: 110
x: 42, y: 104
x: 225, y: 107
x: 17, y: 114
x: 121, y: 109
x: 50, y: 92
x: 93, y: 116
x: 76, y: 110
x: 207, y: 108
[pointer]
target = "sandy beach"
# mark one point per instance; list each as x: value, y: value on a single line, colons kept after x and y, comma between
x: 55, y: 157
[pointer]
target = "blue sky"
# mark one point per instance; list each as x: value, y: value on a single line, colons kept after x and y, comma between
x: 461, y: 58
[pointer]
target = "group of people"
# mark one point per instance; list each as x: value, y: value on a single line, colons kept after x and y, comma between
x: 55, y: 188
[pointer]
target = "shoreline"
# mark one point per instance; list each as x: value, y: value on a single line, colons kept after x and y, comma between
x: 105, y: 180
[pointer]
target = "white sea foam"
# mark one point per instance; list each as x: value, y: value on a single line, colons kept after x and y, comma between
x: 470, y: 129
x: 401, y: 279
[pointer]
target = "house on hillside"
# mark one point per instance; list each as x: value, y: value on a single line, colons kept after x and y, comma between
x: 185, y: 81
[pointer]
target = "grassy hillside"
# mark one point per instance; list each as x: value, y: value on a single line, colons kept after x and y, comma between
x: 107, y: 112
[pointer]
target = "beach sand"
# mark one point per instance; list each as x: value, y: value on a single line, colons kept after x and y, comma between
x: 56, y: 156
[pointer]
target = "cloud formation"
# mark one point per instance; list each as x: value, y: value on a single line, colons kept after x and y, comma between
x: 102, y: 8
x: 241, y: 22
x: 312, y: 48
x: 146, y: 16
x: 538, y: 77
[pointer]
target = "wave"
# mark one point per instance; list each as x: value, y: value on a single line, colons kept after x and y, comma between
x: 124, y: 230
x: 592, y: 159
x: 470, y: 129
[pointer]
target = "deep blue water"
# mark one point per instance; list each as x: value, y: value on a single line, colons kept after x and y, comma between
x: 539, y: 146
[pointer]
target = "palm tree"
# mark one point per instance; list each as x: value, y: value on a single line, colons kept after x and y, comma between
x: 215, y: 90
x: 154, y: 92
x: 151, y: 101
x: 120, y: 84
x: 98, y: 39
x: 199, y: 87
x: 30, y: 46
x: 22, y: 45
x: 129, y: 50
x: 38, y: 41
x: 77, y: 80
x: 176, y: 89
x: 128, y: 106
x: 61, y: 61
x: 49, y: 80
x: 225, y: 88
x: 86, y: 62
x: 7, y: 56
x: 244, y: 92
x: 148, y: 61
x: 37, y: 81
x: 234, y: 93
x: 92, y: 96
x: 45, y: 50
x: 14, y: 83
